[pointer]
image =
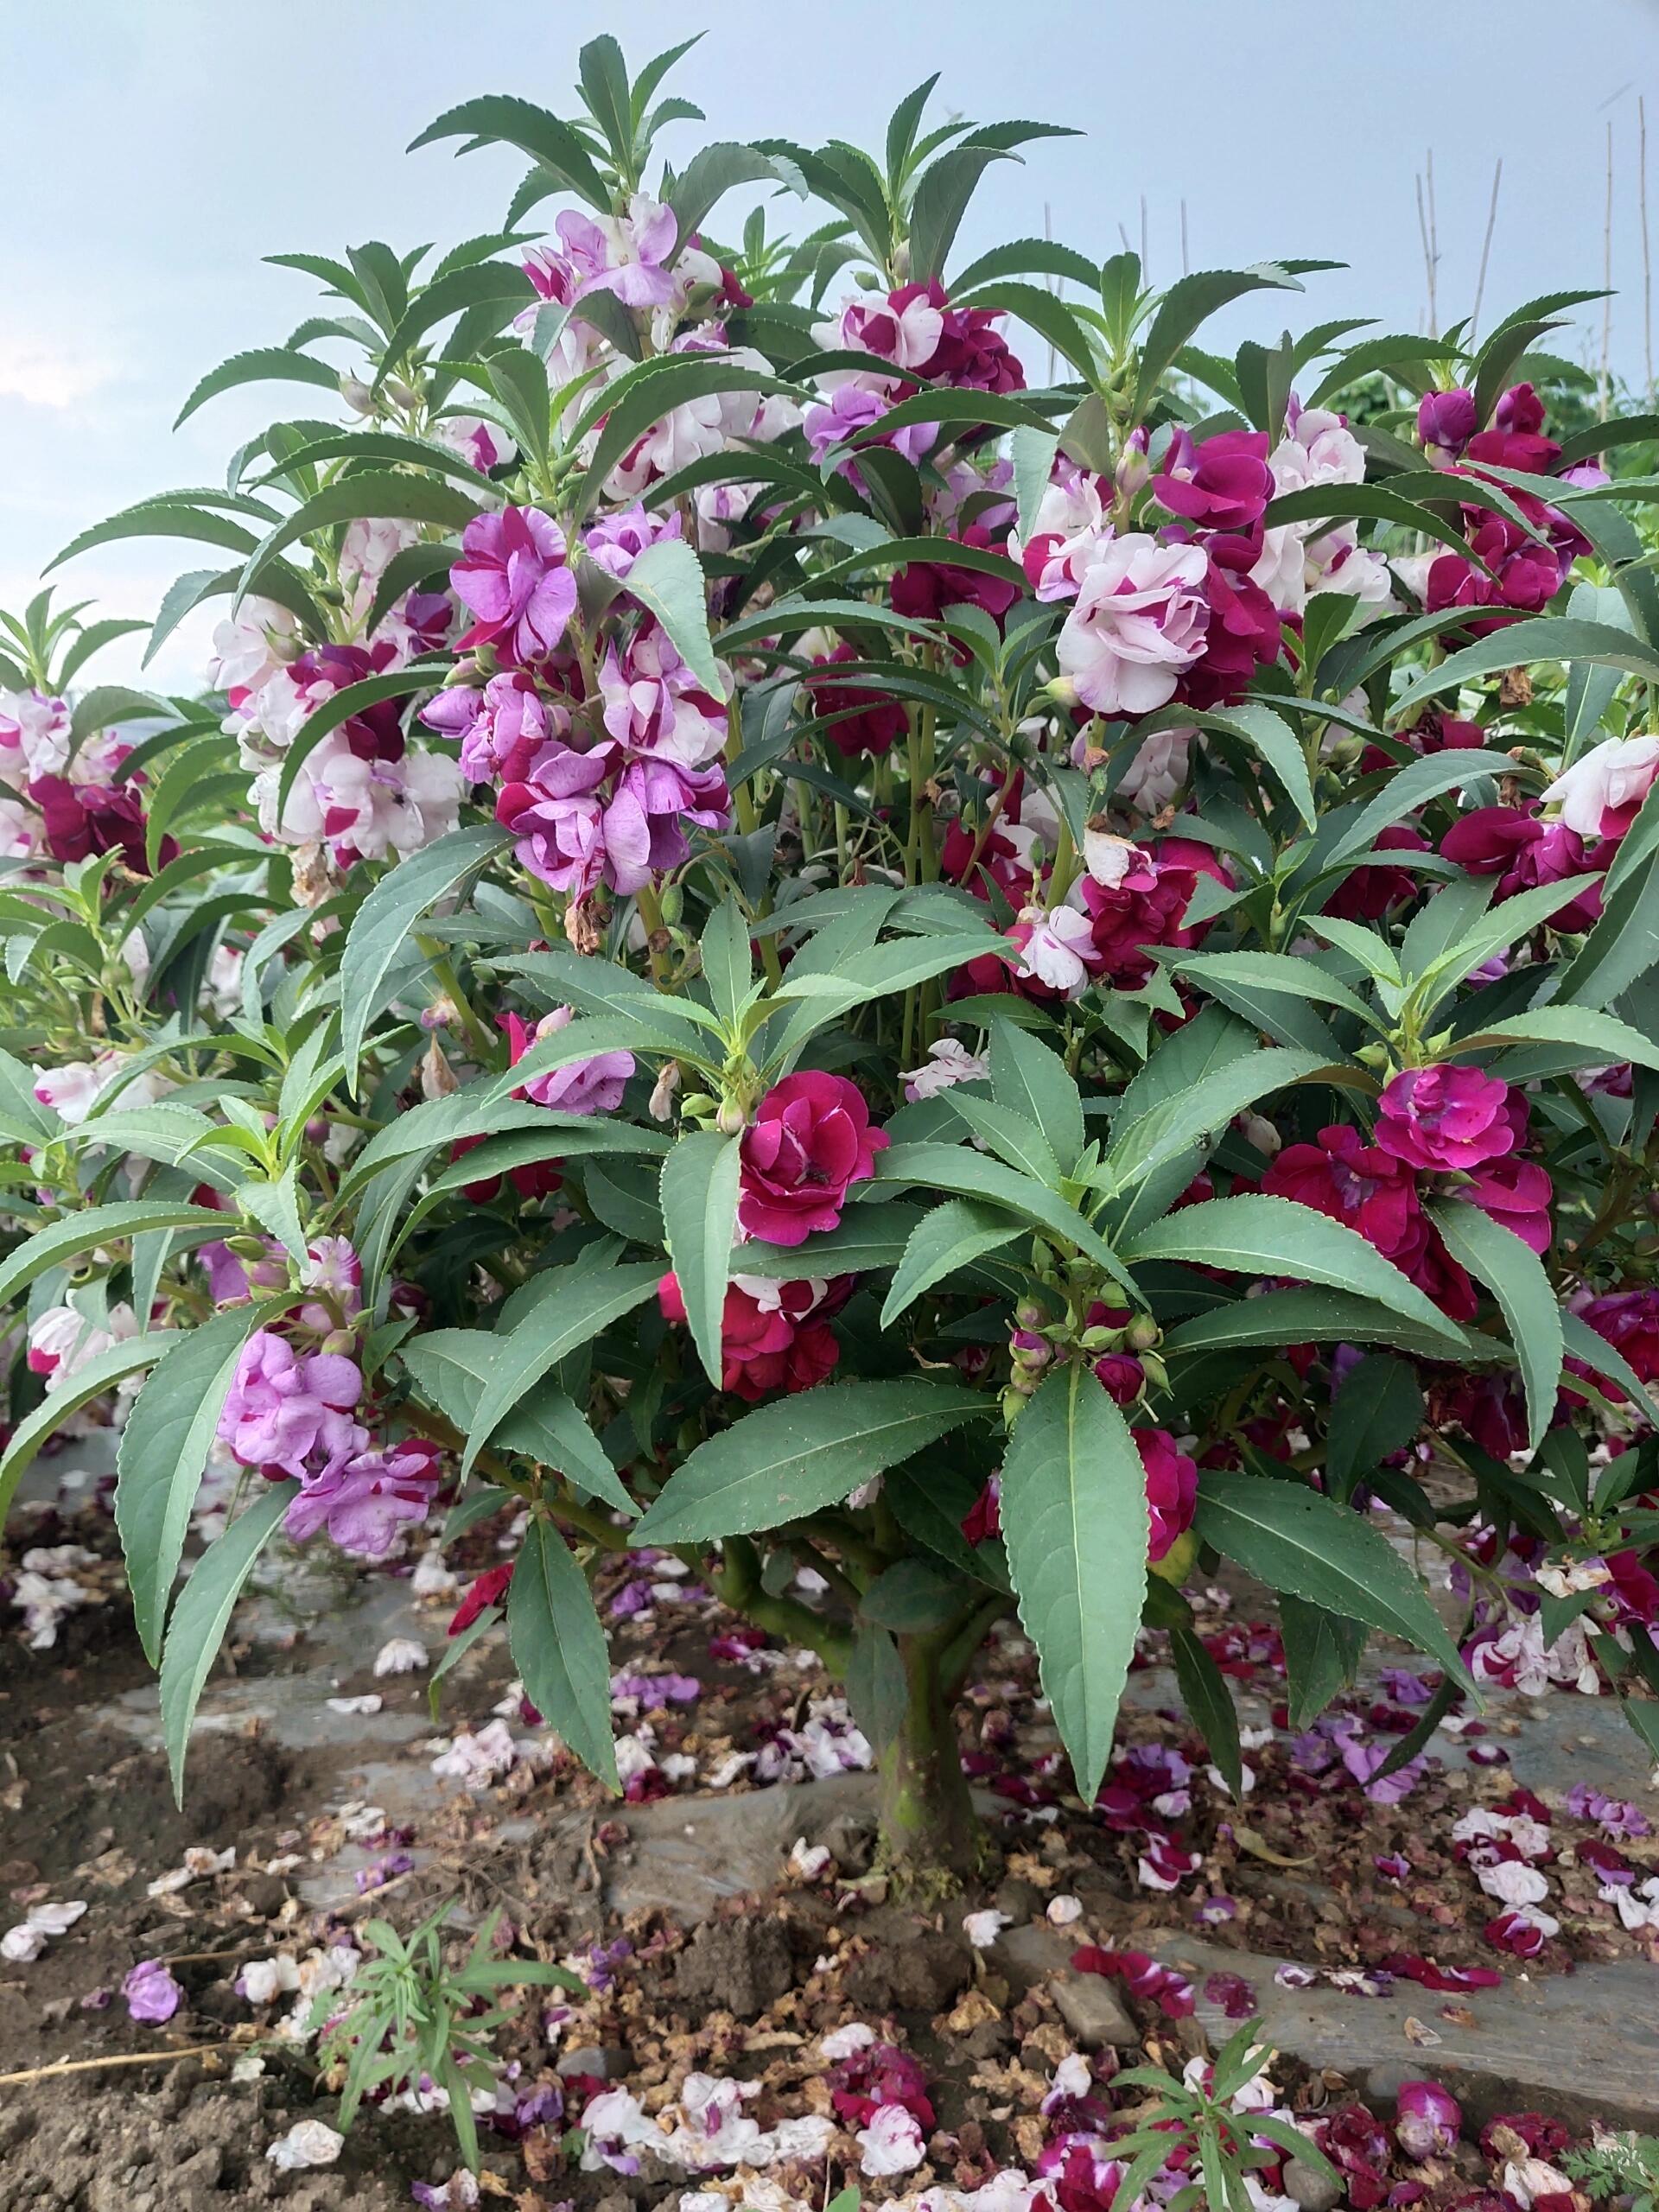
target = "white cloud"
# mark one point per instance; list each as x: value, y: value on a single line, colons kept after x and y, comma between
x: 44, y: 374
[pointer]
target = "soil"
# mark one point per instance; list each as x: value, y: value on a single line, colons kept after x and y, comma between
x: 88, y: 1814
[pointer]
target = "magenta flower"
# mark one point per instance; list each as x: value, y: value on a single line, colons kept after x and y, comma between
x: 1224, y: 483
x: 614, y: 542
x: 809, y: 1141
x: 646, y: 822
x: 557, y: 818
x: 1628, y: 1320
x: 1446, y: 1117
x: 1446, y: 422
x: 1138, y: 623
x: 1516, y: 1193
x: 502, y: 728
x: 366, y: 1501
x: 282, y: 1408
x: 1172, y: 1488
x: 513, y: 576
x: 153, y: 1997
x: 593, y: 1086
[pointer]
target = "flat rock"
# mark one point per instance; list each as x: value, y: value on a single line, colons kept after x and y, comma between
x: 1037, y: 1956
x: 1581, y: 2046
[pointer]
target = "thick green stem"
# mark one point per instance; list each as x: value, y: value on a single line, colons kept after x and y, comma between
x: 929, y: 1832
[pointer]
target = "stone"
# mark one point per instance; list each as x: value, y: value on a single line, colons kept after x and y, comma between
x: 1314, y: 2190
x: 1582, y: 2046
x: 608, y: 2061
x: 736, y: 1966
x: 1039, y: 1956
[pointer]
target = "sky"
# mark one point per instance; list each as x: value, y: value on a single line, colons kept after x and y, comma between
x: 168, y: 144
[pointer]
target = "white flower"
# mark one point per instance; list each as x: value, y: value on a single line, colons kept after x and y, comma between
x: 478, y: 1759
x: 264, y: 1980
x: 400, y: 1654
x: 843, y: 2042
x: 1073, y: 2077
x: 22, y: 1944
x: 250, y: 650
x: 982, y: 1928
x: 948, y: 1061
x: 1062, y: 1910
x: 1055, y: 951
x: 891, y: 2144
x: 1617, y: 774
x: 1109, y: 857
x: 1139, y: 619
x: 1513, y: 1884
x: 308, y: 2143
x: 1157, y: 774
x: 809, y: 1859
x: 62, y: 1341
x: 431, y: 1577
x: 1638, y: 1905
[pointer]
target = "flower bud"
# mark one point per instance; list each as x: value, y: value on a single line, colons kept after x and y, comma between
x: 696, y: 1106
x: 671, y: 901
x: 243, y: 1246
x: 404, y: 394
x: 1133, y: 470
x: 341, y: 1340
x: 356, y: 394
x: 1142, y: 1333
x: 730, y: 1119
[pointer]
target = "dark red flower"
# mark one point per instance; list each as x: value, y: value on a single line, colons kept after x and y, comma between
x: 483, y: 1591
x: 809, y: 1140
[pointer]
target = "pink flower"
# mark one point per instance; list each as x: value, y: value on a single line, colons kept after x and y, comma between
x: 502, y: 728
x: 1428, y: 2120
x: 624, y: 254
x: 593, y: 1086
x: 1139, y: 621
x: 1446, y: 1117
x: 809, y: 1141
x: 1601, y: 794
x: 513, y: 576
x: 558, y: 820
x: 282, y: 1408
x: 1172, y: 1488
x: 1223, y: 483
x: 773, y: 1335
x: 1359, y: 1185
x: 1522, y: 850
x: 1170, y: 1992
x: 35, y: 733
x: 1515, y: 1193
x: 363, y: 1502
x: 614, y: 542
x: 1628, y: 1320
x: 153, y: 1997
x: 654, y: 705
x: 1525, y: 1932
x: 1057, y: 949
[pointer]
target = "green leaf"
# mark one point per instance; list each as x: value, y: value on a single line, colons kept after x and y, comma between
x: 78, y: 1232
x: 1032, y: 454
x: 1588, y: 1344
x: 451, y: 1366
x: 1293, y: 1540
x: 646, y: 394
x: 699, y: 1200
x: 1201, y: 1114
x: 953, y: 1168
x: 884, y: 969
x: 570, y: 1315
x: 1622, y: 945
x: 667, y: 580
x: 913, y: 1597
x: 1012, y: 1136
x: 1412, y: 787
x: 203, y: 1614
x: 1515, y: 1275
x: 1378, y: 1412
x: 370, y: 494
x: 1602, y: 1038
x: 1273, y: 971
x: 1210, y: 1706
x: 1290, y: 1317
x: 866, y: 1236
x: 943, y: 1243
x: 1074, y: 1516
x: 498, y: 119
x: 263, y: 364
x: 559, y: 1648
x: 711, y: 173
x: 1183, y: 307
x: 1322, y: 1653
x: 801, y: 1453
x: 163, y: 1452
x: 1271, y: 736
x: 727, y: 966
x: 340, y: 706
x: 1545, y: 637
x: 90, y: 1379
x: 939, y: 202
x: 1257, y: 1235
x: 1027, y: 1078
x: 384, y: 921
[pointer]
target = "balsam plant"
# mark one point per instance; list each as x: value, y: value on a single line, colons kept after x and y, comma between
x: 781, y: 940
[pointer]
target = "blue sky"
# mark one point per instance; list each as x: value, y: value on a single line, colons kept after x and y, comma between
x: 170, y: 143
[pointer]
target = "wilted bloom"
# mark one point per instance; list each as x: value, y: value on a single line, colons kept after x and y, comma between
x: 1139, y: 621
x: 949, y: 1061
x: 153, y: 1997
x: 1446, y: 1117
x: 513, y: 575
x: 591, y: 1086
x: 809, y: 1140
x: 1428, y: 2120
